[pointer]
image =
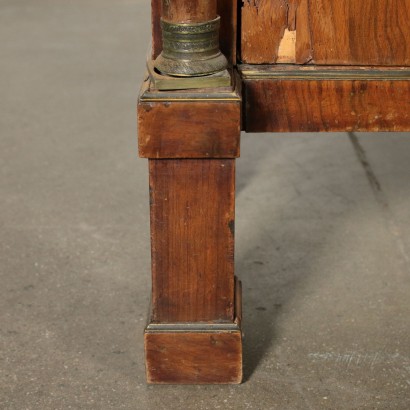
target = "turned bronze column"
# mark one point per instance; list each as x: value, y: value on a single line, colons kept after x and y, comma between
x: 190, y: 37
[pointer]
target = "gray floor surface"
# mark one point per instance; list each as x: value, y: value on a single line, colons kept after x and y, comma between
x: 323, y: 237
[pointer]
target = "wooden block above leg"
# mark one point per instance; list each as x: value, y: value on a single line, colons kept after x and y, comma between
x: 189, y: 124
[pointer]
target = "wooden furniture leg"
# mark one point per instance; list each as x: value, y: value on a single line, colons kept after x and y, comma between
x: 193, y: 336
x: 192, y: 140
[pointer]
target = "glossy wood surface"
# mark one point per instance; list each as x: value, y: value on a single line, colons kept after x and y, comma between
x: 317, y: 103
x: 196, y: 353
x: 264, y: 23
x: 228, y: 10
x: 189, y: 129
x: 156, y: 13
x: 184, y: 11
x: 194, y: 358
x: 192, y: 239
x: 371, y: 32
x: 344, y: 32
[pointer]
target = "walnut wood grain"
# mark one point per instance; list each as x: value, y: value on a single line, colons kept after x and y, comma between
x: 189, y: 129
x: 343, y: 32
x: 194, y: 358
x: 304, y: 48
x: 196, y: 353
x: 309, y: 104
x: 192, y: 239
x: 228, y: 10
x: 333, y: 106
x: 263, y: 29
x: 368, y: 32
x: 263, y: 25
x: 156, y: 13
x: 184, y: 11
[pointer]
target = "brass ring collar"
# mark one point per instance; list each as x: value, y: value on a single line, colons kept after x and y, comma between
x: 190, y: 49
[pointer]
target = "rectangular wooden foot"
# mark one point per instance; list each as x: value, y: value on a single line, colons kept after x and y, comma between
x: 195, y: 353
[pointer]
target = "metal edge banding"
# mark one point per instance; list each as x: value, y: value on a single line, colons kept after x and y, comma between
x: 191, y: 28
x: 175, y: 96
x: 307, y: 73
x: 192, y: 327
x: 189, y: 99
x: 160, y: 83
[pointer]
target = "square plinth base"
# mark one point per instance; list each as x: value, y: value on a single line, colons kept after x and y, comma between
x: 163, y: 82
x: 195, y: 353
x: 194, y: 358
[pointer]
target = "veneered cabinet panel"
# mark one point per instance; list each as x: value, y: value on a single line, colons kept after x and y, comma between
x: 343, y: 32
x: 371, y: 32
x: 275, y: 31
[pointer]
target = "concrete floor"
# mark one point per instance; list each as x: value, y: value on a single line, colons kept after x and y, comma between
x: 323, y: 239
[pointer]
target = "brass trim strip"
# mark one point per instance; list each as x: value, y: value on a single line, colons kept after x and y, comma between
x: 191, y: 28
x: 187, y: 96
x: 171, y: 97
x: 314, y: 73
x: 192, y: 327
x: 161, y: 82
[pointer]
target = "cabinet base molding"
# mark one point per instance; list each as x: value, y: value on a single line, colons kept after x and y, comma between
x: 288, y: 98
